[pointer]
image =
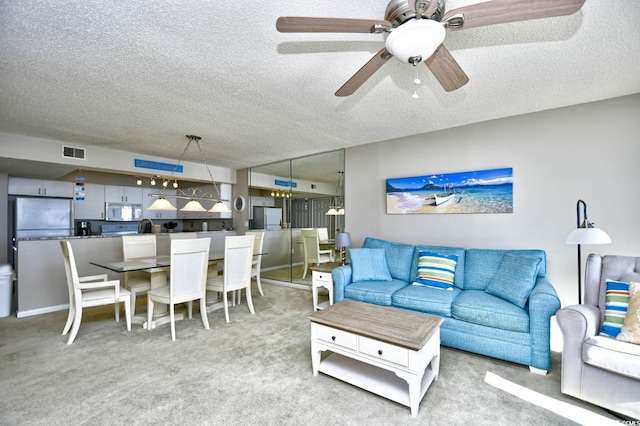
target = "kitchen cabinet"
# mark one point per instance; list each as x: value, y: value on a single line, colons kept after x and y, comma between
x: 123, y: 194
x: 157, y: 214
x: 92, y: 207
x: 40, y: 188
x: 225, y: 196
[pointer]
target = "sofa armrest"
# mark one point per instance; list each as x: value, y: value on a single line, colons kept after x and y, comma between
x: 341, y: 278
x: 577, y: 323
x: 543, y: 304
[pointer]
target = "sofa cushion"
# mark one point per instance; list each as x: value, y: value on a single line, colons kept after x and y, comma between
x: 616, y: 302
x: 399, y: 257
x: 612, y: 355
x: 482, y: 265
x: 630, y: 331
x: 481, y: 308
x: 458, y: 280
x: 515, y: 279
x: 435, y: 270
x: 376, y: 292
x: 430, y: 300
x: 369, y: 265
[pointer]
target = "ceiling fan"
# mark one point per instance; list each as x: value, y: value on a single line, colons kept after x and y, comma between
x: 415, y: 30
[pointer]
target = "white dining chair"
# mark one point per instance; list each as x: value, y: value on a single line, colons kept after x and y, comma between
x: 187, y: 282
x: 90, y: 291
x: 138, y: 282
x: 236, y: 274
x: 256, y: 263
x: 323, y: 234
x: 312, y: 252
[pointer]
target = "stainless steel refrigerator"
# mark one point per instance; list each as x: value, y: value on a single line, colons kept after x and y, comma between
x: 43, y: 217
x: 266, y: 217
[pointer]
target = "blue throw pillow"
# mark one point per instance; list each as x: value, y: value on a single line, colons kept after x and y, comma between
x: 514, y: 279
x: 369, y: 265
x: 616, y: 304
x: 435, y: 270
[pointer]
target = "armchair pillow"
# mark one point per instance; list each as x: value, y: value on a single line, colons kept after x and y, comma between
x: 616, y: 302
x: 630, y: 331
x: 515, y: 279
x: 435, y: 270
x: 369, y: 265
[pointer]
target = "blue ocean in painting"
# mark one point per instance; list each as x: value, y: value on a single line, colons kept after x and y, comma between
x: 487, y: 191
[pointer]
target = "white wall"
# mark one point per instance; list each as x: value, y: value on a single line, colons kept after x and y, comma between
x: 589, y: 152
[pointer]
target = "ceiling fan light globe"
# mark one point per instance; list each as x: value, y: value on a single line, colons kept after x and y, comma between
x: 415, y: 38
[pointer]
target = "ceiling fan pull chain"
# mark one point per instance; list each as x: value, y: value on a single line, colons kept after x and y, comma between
x: 416, y: 81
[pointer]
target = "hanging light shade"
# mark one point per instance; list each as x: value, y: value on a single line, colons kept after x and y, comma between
x: 332, y: 212
x: 161, y: 204
x: 191, y: 194
x: 193, y: 206
x: 220, y: 207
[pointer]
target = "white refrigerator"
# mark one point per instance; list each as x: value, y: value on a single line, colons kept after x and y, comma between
x: 267, y: 218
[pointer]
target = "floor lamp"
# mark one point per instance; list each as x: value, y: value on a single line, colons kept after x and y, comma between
x: 585, y: 234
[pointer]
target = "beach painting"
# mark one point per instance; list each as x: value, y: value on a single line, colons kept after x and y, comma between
x: 480, y: 191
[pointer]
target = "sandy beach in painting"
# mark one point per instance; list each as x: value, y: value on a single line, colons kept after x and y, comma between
x: 422, y: 203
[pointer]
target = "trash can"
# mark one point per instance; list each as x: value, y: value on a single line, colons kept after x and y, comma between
x: 6, y: 290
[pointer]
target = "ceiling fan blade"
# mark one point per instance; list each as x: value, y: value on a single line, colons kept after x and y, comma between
x: 446, y: 69
x: 502, y: 11
x: 300, y: 24
x: 364, y: 73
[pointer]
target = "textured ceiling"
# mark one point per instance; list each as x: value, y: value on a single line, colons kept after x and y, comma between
x: 139, y: 75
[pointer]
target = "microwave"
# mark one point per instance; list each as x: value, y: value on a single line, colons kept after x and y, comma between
x: 123, y: 212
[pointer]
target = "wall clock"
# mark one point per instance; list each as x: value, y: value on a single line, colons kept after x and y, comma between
x: 239, y: 204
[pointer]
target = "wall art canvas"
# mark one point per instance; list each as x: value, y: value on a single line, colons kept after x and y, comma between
x: 480, y: 191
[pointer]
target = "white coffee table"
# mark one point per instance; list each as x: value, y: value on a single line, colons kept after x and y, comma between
x: 386, y: 351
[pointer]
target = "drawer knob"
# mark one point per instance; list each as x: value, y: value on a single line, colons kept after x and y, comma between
x: 333, y: 338
x: 379, y: 351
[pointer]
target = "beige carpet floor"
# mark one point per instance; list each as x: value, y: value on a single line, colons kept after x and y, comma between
x: 256, y: 370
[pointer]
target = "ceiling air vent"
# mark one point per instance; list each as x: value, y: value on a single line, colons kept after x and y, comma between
x: 71, y: 152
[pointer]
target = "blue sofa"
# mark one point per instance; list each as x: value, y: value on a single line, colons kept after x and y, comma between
x: 497, y: 303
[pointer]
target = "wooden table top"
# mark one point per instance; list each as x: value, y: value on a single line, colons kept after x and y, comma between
x: 325, y: 267
x: 391, y: 325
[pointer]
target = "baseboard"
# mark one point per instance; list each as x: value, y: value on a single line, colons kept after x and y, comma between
x: 39, y: 311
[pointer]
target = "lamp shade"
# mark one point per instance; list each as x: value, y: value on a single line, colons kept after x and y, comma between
x: 415, y: 39
x: 193, y: 206
x: 588, y: 236
x: 332, y: 212
x: 161, y: 204
x: 220, y: 207
x: 343, y: 239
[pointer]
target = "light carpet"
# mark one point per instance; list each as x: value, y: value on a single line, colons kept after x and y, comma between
x: 254, y: 370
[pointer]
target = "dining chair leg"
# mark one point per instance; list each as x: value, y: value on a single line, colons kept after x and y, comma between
x: 117, y: 309
x: 173, y: 321
x: 149, y: 312
x: 133, y: 303
x: 203, y: 312
x: 76, y: 325
x: 127, y: 311
x: 304, y: 274
x: 190, y: 309
x: 226, y: 306
x: 250, y: 301
x: 67, y: 326
x: 259, y: 284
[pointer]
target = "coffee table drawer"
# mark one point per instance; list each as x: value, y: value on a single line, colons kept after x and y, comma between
x: 385, y: 351
x: 337, y: 337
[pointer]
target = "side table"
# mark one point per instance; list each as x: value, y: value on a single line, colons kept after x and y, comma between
x: 321, y: 277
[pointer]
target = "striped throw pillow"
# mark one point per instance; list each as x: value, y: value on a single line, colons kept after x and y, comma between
x: 616, y: 303
x: 436, y: 270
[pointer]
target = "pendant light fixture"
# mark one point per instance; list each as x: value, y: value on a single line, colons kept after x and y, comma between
x: 194, y: 195
x: 337, y: 208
